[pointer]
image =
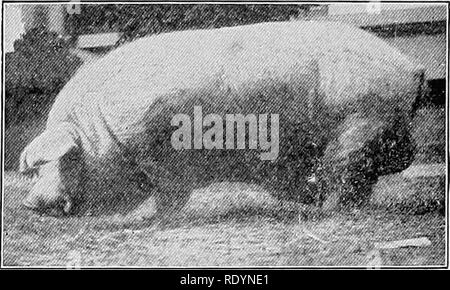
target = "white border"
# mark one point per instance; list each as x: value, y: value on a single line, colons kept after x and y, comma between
x: 220, y: 267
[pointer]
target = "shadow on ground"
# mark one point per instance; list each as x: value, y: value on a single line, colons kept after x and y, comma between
x: 234, y: 237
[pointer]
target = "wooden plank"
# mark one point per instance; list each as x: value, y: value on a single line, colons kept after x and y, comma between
x: 98, y: 40
x: 424, y: 170
x: 417, y: 242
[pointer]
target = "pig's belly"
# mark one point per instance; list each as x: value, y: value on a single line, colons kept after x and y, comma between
x: 301, y: 143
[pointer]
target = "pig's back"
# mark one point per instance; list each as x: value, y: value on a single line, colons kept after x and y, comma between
x: 122, y: 87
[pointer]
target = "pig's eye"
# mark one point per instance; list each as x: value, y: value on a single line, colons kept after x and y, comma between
x: 32, y: 174
x: 70, y: 160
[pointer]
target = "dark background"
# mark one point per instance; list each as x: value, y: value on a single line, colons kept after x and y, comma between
x: 41, y: 62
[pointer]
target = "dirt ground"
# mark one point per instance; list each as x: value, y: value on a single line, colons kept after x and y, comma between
x: 237, y: 235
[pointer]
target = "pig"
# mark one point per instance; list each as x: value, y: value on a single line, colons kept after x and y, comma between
x: 343, y: 98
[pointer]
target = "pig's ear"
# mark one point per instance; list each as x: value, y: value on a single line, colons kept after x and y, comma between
x: 51, y: 145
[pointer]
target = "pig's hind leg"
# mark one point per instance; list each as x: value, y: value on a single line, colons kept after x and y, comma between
x: 366, y: 148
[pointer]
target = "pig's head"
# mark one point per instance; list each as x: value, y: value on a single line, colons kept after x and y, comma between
x: 54, y: 160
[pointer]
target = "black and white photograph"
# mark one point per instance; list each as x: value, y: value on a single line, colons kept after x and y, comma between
x: 224, y: 135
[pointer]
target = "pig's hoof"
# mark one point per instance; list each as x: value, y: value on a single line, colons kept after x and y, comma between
x: 331, y: 203
x: 312, y: 213
x: 58, y: 209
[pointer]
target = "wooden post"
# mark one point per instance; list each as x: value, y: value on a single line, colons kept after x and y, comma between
x: 56, y: 18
